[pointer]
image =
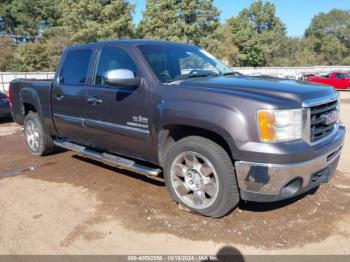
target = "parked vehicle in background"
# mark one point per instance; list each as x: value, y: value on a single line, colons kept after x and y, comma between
x: 339, y: 80
x: 153, y: 107
x: 305, y: 75
x: 5, y: 109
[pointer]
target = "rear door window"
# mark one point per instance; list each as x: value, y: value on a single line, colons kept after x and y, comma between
x: 75, y: 67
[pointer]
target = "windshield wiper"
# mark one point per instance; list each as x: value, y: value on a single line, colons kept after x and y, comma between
x: 233, y: 73
x: 199, y: 75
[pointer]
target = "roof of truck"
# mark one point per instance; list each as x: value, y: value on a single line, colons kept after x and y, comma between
x: 126, y: 42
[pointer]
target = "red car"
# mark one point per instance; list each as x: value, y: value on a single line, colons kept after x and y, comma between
x: 339, y: 80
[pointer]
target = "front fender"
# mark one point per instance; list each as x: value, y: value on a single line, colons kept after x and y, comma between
x: 227, y: 122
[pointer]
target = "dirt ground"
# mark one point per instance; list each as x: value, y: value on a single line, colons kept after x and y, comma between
x: 68, y: 204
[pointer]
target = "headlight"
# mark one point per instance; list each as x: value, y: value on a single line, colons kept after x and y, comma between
x: 280, y: 125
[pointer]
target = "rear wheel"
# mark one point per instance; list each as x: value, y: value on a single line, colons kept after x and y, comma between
x: 38, y: 141
x: 200, y: 175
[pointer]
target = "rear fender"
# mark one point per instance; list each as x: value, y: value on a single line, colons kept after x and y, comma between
x: 30, y: 96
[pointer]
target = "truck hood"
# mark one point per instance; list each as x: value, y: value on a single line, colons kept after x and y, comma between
x: 285, y: 89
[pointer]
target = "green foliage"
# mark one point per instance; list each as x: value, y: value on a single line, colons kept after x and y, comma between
x: 295, y: 52
x: 257, y: 32
x: 190, y: 21
x: 92, y: 20
x: 226, y: 51
x: 9, y: 22
x: 29, y: 18
x: 31, y: 57
x: 6, y: 55
x: 55, y: 41
x: 331, y: 35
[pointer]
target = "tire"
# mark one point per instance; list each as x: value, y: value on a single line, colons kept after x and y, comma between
x: 37, y: 140
x: 208, y: 185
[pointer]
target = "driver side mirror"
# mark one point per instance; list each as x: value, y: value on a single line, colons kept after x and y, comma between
x: 122, y: 77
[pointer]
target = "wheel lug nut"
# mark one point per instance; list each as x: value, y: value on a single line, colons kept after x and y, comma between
x: 190, y: 182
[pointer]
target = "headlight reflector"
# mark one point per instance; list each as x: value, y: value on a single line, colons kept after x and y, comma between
x: 280, y: 125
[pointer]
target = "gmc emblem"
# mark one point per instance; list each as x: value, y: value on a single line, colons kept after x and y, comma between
x: 331, y: 117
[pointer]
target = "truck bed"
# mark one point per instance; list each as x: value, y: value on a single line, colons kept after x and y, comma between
x: 36, y: 91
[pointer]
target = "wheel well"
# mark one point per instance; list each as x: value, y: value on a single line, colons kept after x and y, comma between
x: 174, y: 133
x: 28, y: 107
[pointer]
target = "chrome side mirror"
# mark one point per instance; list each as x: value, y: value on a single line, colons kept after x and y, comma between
x: 122, y: 77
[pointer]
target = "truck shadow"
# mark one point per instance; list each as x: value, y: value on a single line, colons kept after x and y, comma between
x: 263, y: 207
x: 6, y: 120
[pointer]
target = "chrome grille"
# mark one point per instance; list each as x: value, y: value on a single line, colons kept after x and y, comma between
x: 318, y: 116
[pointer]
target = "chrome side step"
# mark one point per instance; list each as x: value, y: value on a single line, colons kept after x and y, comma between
x: 119, y: 162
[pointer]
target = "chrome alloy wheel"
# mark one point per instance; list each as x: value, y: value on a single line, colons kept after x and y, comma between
x: 194, y: 180
x: 32, y: 136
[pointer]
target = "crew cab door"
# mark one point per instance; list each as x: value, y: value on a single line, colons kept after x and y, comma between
x: 340, y: 81
x: 69, y: 94
x: 118, y: 118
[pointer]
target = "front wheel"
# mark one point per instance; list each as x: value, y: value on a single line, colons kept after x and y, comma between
x: 199, y: 174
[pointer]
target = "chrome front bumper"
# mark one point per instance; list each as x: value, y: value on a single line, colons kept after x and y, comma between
x: 262, y: 182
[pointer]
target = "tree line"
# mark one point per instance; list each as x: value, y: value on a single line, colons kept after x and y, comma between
x: 256, y: 37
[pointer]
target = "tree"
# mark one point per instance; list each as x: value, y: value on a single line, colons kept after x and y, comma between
x: 331, y: 34
x: 227, y: 51
x: 257, y: 32
x: 190, y: 21
x: 31, y: 57
x: 295, y: 52
x: 28, y: 17
x: 92, y: 20
x: 6, y: 55
x: 54, y: 42
x: 8, y: 21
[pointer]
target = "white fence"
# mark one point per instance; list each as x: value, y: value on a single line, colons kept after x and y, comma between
x: 285, y: 72
x: 7, y: 77
x: 289, y: 72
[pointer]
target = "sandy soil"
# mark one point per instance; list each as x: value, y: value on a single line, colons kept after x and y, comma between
x: 68, y: 204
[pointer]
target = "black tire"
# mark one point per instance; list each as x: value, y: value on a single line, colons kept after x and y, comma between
x: 44, y: 140
x: 228, y: 194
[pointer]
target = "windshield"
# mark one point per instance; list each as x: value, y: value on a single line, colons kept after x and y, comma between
x: 177, y: 62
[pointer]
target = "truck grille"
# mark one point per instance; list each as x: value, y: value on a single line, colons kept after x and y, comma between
x: 319, y: 126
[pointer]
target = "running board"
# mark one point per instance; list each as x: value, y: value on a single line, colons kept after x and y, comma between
x: 119, y: 162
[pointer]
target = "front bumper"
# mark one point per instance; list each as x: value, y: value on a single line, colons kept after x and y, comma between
x: 264, y: 182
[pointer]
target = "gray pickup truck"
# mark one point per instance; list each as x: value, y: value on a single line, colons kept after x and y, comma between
x: 161, y: 108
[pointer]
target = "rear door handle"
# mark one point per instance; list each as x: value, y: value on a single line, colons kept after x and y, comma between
x: 94, y: 100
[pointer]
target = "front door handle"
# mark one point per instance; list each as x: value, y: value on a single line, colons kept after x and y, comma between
x: 59, y: 97
x: 94, y: 101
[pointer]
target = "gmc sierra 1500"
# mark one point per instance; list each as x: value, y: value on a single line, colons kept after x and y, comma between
x: 158, y: 107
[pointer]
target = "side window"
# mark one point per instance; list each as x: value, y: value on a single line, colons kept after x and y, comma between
x: 112, y: 58
x: 75, y: 67
x: 157, y: 59
x: 339, y: 76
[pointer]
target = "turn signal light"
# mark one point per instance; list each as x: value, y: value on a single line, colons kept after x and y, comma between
x: 267, y: 125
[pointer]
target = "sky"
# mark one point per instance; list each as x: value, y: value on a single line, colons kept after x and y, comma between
x: 296, y: 14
